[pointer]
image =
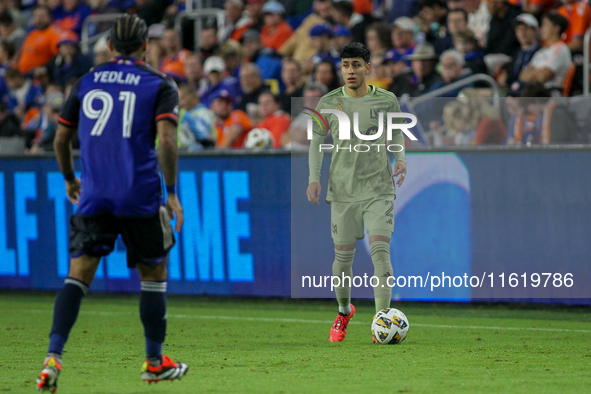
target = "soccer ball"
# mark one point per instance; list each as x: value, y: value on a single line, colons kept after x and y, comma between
x: 389, y: 326
x: 258, y: 139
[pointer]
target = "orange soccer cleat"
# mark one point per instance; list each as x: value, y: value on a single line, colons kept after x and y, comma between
x: 339, y: 328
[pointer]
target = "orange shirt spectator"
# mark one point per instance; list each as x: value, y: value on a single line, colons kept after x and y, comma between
x: 362, y: 6
x: 175, y: 66
x: 231, y: 126
x: 274, y: 119
x: 40, y: 46
x: 276, y: 30
x: 578, y: 14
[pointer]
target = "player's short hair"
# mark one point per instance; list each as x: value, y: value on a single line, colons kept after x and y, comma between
x: 355, y: 49
x: 557, y: 20
x: 128, y: 33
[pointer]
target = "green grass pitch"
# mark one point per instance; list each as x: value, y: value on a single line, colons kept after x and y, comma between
x: 281, y: 346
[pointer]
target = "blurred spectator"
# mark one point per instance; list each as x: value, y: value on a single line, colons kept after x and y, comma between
x: 400, y: 74
x: 9, y: 124
x: 11, y: 7
x: 267, y: 60
x: 23, y: 93
x: 101, y: 51
x: 325, y: 73
x: 173, y: 63
x: 431, y: 19
x: 425, y: 78
x: 578, y: 14
x: 209, y: 42
x: 465, y: 42
x: 252, y: 87
x: 457, y: 20
x: 10, y: 32
x: 155, y: 50
x: 70, y: 15
x: 551, y: 63
x: 233, y: 55
x: 236, y: 20
x: 379, y: 41
x: 276, y: 30
x: 7, y: 56
x: 152, y: 11
x: 214, y: 70
x: 483, y: 119
x: 195, y: 129
x: 254, y: 9
x: 501, y: 37
x: 526, y: 30
x: 50, y: 112
x: 458, y: 130
x: 41, y: 43
x: 403, y: 30
x: 194, y: 72
x: 320, y: 36
x: 291, y: 75
x: 535, y: 7
x: 273, y: 117
x: 541, y: 120
x: 478, y: 19
x: 298, y: 46
x: 452, y: 70
x: 341, y: 37
x: 70, y: 63
x: 356, y: 23
x: 232, y: 126
x: 296, y: 138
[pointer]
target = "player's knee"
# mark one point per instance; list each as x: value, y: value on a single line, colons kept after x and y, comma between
x: 83, y: 268
x: 157, y: 272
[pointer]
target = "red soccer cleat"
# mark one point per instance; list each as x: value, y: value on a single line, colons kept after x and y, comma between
x: 168, y: 370
x: 339, y: 328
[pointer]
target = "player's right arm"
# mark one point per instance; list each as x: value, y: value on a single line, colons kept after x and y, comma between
x: 315, y: 156
x: 62, y: 143
x: 166, y: 128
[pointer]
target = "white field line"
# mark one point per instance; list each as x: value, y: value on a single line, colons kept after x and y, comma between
x: 306, y: 321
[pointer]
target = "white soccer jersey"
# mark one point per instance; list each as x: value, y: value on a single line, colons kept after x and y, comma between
x: 557, y: 58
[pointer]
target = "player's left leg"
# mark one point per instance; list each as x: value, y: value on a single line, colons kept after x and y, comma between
x: 148, y: 240
x: 378, y: 217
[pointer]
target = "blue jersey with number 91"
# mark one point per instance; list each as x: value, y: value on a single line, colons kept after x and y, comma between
x: 115, y: 107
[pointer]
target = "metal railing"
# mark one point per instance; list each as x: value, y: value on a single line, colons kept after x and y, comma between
x: 198, y: 16
x: 586, y: 43
x: 461, y: 83
x: 85, y: 40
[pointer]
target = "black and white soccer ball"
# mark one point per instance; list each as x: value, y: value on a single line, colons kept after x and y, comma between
x: 389, y: 326
x: 258, y: 139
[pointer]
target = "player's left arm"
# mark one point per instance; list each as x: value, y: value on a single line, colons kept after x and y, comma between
x: 62, y: 144
x: 398, y: 139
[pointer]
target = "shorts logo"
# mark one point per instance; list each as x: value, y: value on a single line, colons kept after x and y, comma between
x: 334, y: 228
x: 389, y: 211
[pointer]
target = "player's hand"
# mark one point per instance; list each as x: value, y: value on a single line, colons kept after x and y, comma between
x: 73, y: 191
x: 313, y: 192
x: 175, y: 210
x: 399, y: 169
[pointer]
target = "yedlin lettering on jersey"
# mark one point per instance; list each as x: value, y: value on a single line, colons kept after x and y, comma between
x: 117, y: 77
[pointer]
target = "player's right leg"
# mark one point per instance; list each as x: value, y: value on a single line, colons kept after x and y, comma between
x: 91, y: 237
x: 346, y: 228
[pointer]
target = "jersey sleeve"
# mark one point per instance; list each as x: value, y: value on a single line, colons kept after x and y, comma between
x: 167, y: 102
x: 71, y: 112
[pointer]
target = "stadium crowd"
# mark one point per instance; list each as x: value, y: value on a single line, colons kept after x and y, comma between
x: 244, y: 72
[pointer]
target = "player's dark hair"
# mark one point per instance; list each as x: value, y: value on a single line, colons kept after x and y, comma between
x: 459, y: 11
x: 355, y: 49
x: 557, y: 20
x: 128, y: 34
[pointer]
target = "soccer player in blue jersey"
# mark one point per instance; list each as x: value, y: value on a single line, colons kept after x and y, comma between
x: 118, y: 109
